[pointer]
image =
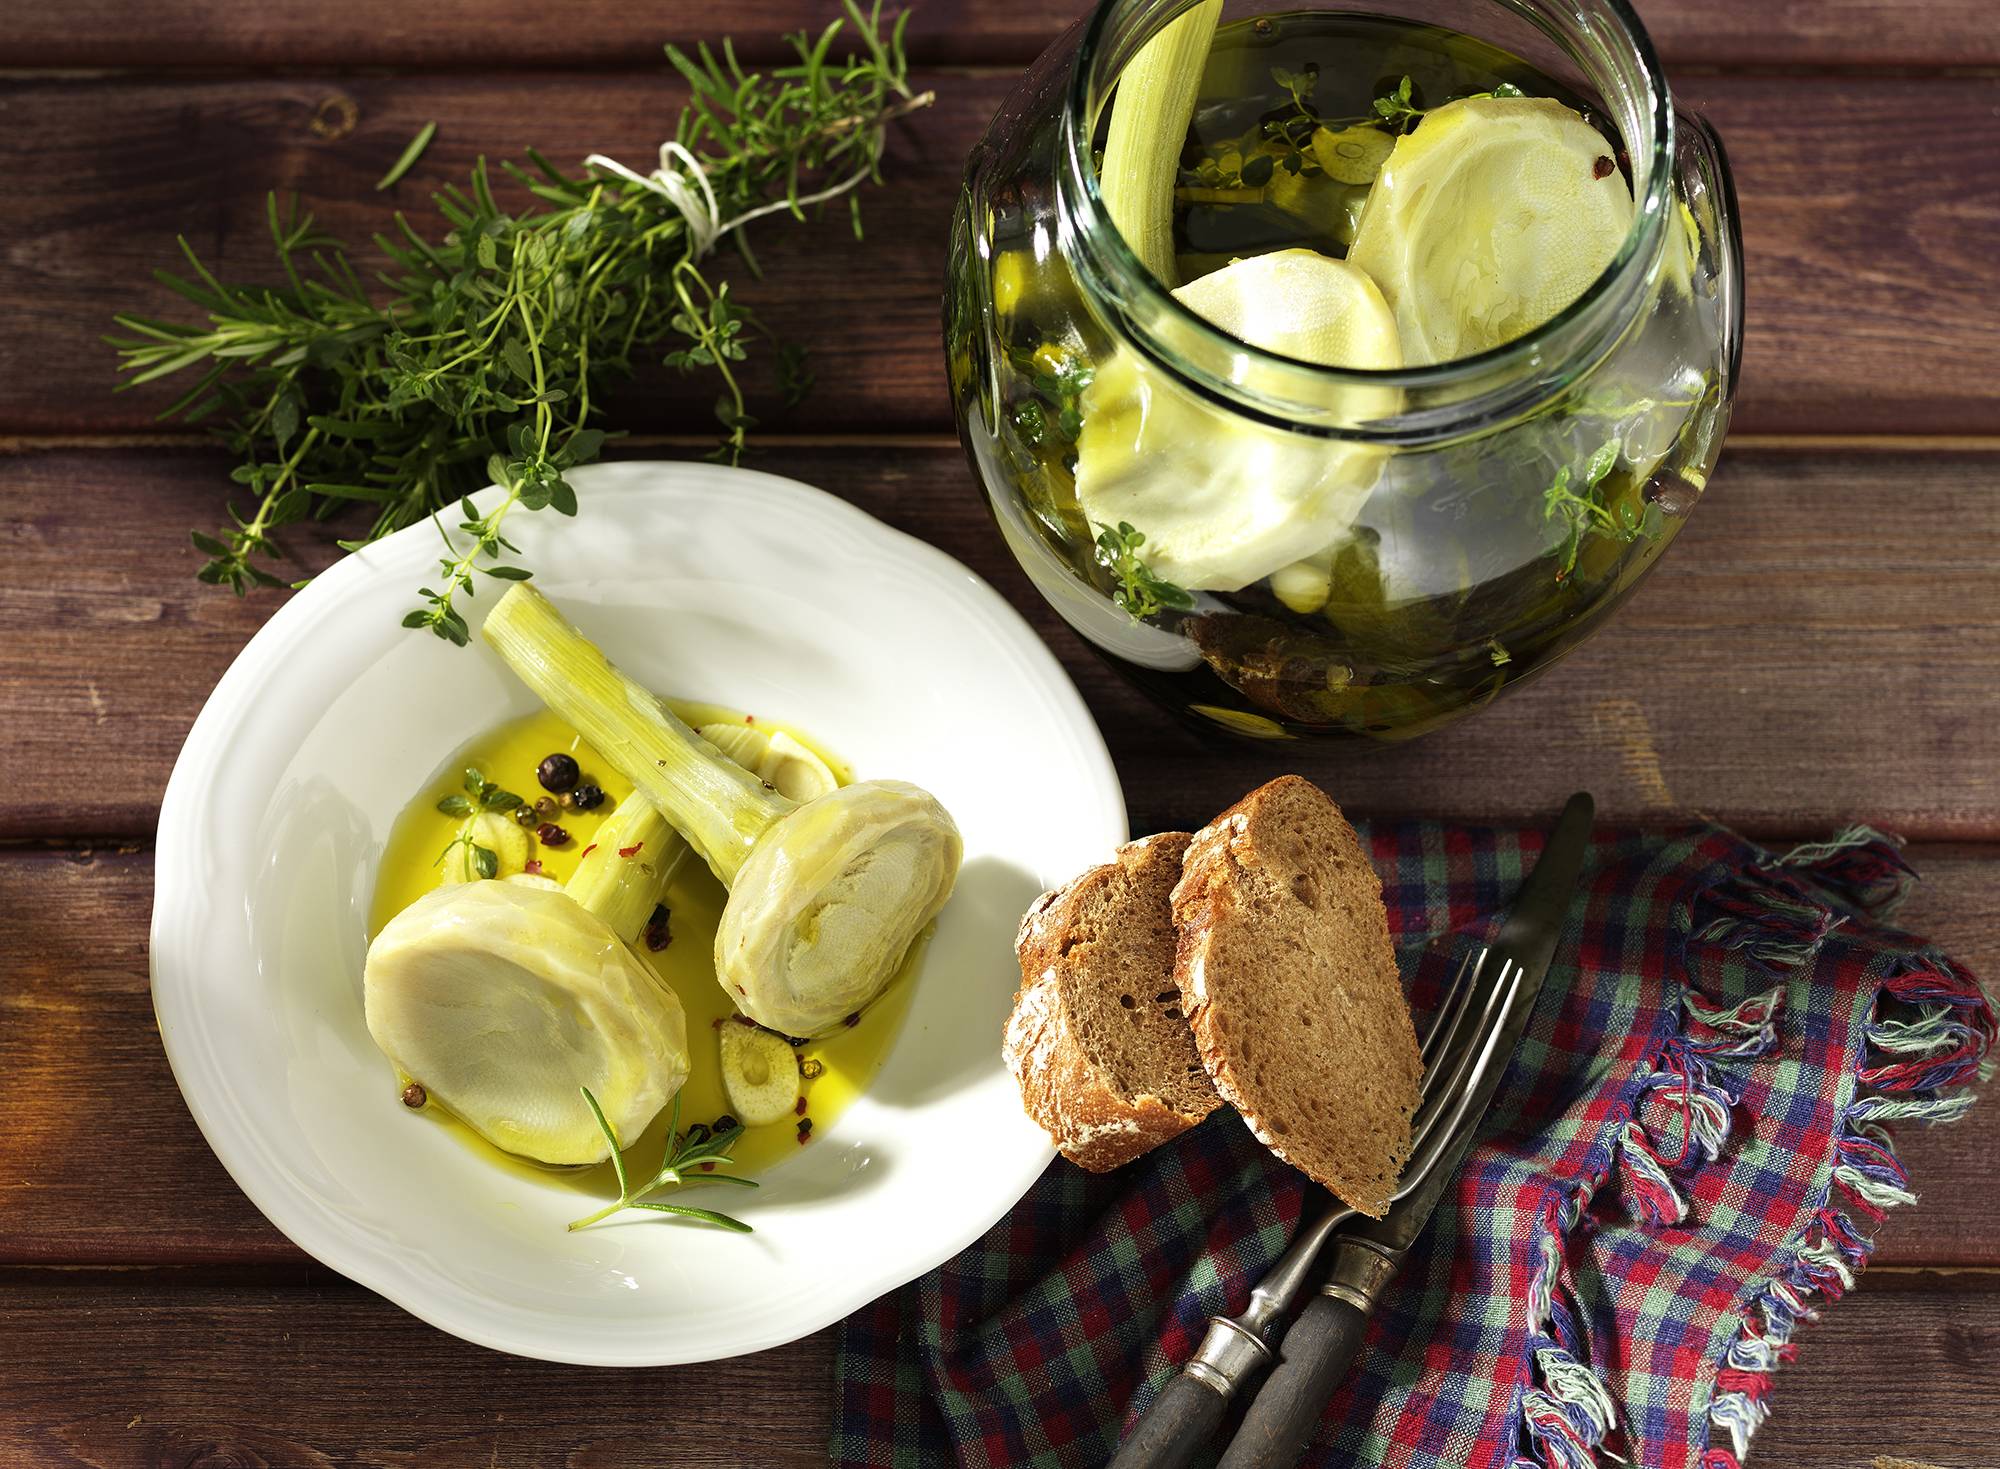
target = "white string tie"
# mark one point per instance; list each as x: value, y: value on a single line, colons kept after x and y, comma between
x: 683, y: 182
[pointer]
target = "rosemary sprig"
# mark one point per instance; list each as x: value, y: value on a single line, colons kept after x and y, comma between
x: 686, y: 1153
x: 480, y: 355
x: 409, y: 157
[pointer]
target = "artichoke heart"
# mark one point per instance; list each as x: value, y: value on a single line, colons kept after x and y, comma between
x: 1488, y: 220
x: 504, y: 998
x: 828, y: 904
x: 1224, y: 501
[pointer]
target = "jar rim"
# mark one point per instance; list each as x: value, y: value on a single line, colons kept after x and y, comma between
x: 1083, y: 204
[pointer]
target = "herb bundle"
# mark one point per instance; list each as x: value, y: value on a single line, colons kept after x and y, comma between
x: 481, y: 356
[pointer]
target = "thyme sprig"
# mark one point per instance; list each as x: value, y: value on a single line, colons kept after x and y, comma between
x: 480, y: 795
x: 1135, y: 588
x: 686, y: 1153
x: 1291, y: 130
x: 480, y: 355
x: 1578, y: 502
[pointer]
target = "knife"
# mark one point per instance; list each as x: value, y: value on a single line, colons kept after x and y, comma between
x: 1322, y: 1344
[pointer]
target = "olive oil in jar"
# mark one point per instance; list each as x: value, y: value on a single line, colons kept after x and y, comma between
x: 1472, y: 561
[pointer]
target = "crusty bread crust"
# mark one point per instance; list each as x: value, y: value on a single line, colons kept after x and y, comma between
x: 1284, y: 955
x: 1096, y: 1124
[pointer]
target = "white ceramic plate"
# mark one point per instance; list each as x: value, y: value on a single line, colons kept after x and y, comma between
x: 726, y: 585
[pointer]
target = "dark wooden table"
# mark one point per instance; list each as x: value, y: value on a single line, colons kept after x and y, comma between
x: 1822, y: 646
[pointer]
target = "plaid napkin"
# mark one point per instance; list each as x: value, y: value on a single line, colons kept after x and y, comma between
x: 1684, y: 1162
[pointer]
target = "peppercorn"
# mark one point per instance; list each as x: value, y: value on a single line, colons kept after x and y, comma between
x: 415, y: 1096
x: 805, y: 1128
x: 726, y: 1123
x: 586, y: 797
x: 812, y: 1068
x: 659, y: 933
x: 852, y: 1020
x: 551, y: 835
x: 557, y: 772
x: 697, y: 1135
x: 795, y: 1041
x: 1603, y: 168
x: 525, y: 816
x: 544, y: 807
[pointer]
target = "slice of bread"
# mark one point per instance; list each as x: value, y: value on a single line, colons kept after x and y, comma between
x: 1097, y: 1041
x: 1292, y: 990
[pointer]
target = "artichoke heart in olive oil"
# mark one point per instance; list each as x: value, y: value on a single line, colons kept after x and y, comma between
x: 1374, y: 196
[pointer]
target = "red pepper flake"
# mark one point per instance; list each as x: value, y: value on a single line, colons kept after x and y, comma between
x: 414, y: 1095
x: 749, y: 719
x: 534, y: 867
x: 708, y: 1168
x: 631, y: 851
x: 741, y: 991
x: 716, y: 1024
x: 586, y: 851
x: 1603, y: 168
x: 854, y: 1019
x: 800, y: 1108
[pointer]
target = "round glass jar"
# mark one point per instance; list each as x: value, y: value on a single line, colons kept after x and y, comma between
x: 1516, y: 497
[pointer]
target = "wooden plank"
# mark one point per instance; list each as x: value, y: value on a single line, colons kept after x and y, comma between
x: 1873, y: 294
x: 311, y: 1375
x: 1816, y: 649
x: 324, y: 1373
x: 77, y: 1005
x: 214, y: 33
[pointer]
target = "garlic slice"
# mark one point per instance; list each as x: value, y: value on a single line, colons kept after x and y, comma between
x: 760, y: 1073
x: 796, y: 772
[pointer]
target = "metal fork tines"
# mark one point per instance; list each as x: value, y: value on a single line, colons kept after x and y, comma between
x: 1457, y: 1047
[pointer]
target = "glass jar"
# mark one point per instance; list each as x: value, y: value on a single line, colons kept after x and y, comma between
x: 1517, y: 496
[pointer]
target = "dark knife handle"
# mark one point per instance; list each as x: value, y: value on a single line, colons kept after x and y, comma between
x: 1318, y: 1349
x: 1171, y: 1432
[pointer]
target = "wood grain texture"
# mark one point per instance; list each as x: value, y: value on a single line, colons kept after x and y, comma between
x: 308, y: 1375
x: 216, y: 33
x: 1873, y: 287
x: 1817, y: 648
x: 312, y: 1374
x: 76, y: 1023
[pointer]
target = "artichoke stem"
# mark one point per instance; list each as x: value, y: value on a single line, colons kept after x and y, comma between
x: 717, y: 805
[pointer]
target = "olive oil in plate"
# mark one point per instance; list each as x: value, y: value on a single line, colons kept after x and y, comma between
x: 837, y: 1069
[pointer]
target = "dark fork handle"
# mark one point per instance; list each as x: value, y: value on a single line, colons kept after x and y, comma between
x: 1174, y: 1429
x: 1318, y: 1349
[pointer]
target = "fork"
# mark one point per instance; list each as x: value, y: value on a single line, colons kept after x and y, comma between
x: 1236, y: 1348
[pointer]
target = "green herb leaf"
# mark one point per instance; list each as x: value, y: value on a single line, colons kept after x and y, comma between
x: 686, y: 1153
x: 485, y: 859
x: 1135, y: 588
x: 455, y: 806
x: 488, y: 341
x: 410, y: 155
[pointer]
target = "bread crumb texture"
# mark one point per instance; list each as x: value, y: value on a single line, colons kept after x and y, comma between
x: 1098, y: 1039
x: 1294, y: 998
